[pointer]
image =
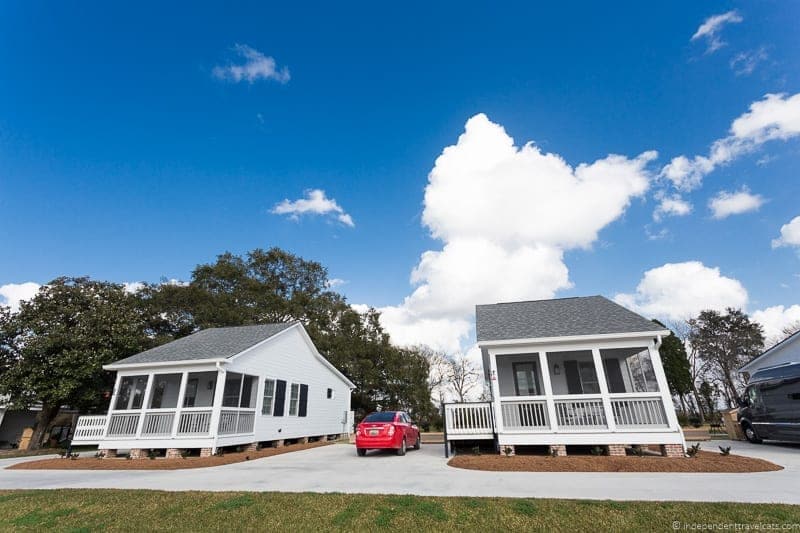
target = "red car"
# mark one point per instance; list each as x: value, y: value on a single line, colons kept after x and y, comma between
x: 387, y: 430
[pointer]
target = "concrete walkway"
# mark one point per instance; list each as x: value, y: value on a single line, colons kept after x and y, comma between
x: 336, y: 468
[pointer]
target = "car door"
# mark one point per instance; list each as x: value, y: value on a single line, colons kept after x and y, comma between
x: 407, y: 432
x: 413, y: 430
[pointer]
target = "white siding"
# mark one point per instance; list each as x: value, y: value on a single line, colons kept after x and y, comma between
x: 288, y: 357
x: 788, y: 352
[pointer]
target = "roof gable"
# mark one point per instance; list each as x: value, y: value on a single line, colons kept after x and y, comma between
x: 212, y: 343
x: 563, y: 317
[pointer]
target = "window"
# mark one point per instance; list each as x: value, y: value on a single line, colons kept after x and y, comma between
x: 383, y: 416
x: 164, y: 391
x: 526, y: 380
x: 131, y: 392
x: 269, y: 397
x: 294, y: 397
x: 330, y: 394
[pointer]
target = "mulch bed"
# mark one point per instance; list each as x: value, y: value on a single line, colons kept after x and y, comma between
x: 120, y: 463
x: 703, y: 462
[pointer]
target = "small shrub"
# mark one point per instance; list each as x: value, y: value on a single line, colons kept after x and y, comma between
x: 508, y: 450
x: 553, y: 452
x: 128, y: 456
x: 637, y: 450
x: 219, y: 453
x: 184, y: 454
x: 151, y: 454
x: 683, y: 419
x: 476, y: 450
x: 694, y: 421
x: 693, y: 449
x: 724, y: 450
x: 597, y: 450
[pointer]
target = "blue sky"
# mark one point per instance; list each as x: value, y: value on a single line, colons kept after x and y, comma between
x: 130, y: 150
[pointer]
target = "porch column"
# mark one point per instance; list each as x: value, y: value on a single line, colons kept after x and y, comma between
x: 663, y: 386
x: 548, y: 391
x: 495, y: 384
x: 145, y: 401
x: 181, y: 393
x: 216, y: 406
x: 114, y: 394
x: 601, y: 381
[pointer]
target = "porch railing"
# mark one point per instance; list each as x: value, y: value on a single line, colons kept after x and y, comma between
x: 123, y: 425
x: 89, y: 429
x: 581, y: 414
x: 158, y: 424
x: 639, y: 412
x: 469, y: 418
x: 235, y: 421
x: 194, y: 423
x: 525, y: 415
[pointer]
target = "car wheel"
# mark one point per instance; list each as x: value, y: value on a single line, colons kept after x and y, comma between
x: 402, y: 449
x: 361, y: 452
x: 750, y: 434
x: 418, y: 444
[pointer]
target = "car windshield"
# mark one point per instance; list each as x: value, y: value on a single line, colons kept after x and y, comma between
x: 380, y: 417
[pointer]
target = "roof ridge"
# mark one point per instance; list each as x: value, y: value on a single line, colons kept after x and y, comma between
x: 546, y: 300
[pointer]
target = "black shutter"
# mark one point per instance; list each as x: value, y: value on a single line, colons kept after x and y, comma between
x: 301, y: 410
x: 280, y: 398
x: 573, y: 378
x: 614, y: 375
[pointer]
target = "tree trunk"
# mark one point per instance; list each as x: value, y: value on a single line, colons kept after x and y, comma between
x: 700, y: 410
x: 43, y: 420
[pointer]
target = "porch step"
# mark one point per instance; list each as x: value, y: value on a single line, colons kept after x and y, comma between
x: 432, y: 438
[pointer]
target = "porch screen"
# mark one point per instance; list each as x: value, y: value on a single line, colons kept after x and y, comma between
x: 629, y: 370
x: 131, y: 392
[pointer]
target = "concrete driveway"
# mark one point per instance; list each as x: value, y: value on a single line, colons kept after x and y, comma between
x: 336, y: 468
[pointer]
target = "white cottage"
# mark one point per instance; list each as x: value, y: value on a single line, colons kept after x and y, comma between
x: 222, y: 387
x: 570, y: 371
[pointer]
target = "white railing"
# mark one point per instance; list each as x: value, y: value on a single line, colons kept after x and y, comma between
x: 89, y: 429
x: 123, y: 425
x: 194, y: 423
x: 158, y: 424
x: 639, y: 412
x: 233, y: 421
x: 525, y: 415
x: 468, y: 418
x: 581, y: 414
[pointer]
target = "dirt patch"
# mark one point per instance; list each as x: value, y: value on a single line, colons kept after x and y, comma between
x: 119, y: 463
x: 703, y: 462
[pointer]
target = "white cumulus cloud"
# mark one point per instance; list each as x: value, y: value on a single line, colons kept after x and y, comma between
x: 256, y: 66
x: 314, y: 203
x: 790, y: 234
x: 710, y: 29
x: 775, y: 319
x: 673, y: 206
x: 678, y: 291
x: 725, y: 203
x: 775, y: 117
x: 505, y: 215
x: 12, y: 294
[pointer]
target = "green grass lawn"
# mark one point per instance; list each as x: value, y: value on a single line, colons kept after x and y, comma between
x: 94, y: 510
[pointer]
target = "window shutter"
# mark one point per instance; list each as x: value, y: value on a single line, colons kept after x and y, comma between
x: 573, y: 378
x: 301, y: 411
x: 280, y: 398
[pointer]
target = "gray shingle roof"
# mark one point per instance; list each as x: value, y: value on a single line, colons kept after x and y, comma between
x: 564, y: 317
x: 212, y: 343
